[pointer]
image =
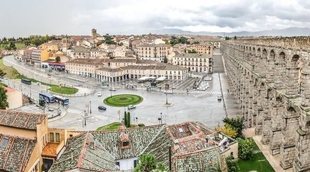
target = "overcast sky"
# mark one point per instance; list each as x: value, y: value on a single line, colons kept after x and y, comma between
x: 28, y: 17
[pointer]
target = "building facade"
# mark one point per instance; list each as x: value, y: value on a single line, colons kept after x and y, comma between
x: 114, y: 70
x: 200, y: 49
x: 156, y: 52
x: 194, y: 62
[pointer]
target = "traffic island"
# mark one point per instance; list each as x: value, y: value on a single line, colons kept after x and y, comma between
x: 63, y: 90
x: 123, y: 100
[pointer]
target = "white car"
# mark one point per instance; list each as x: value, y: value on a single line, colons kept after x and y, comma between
x: 99, y: 94
x: 131, y: 107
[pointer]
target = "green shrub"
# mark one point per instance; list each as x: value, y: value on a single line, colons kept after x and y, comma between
x: 246, y: 148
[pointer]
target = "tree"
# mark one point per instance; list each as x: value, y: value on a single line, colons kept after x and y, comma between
x: 148, y: 163
x: 3, y: 98
x: 125, y: 118
x: 235, y: 123
x: 108, y: 39
x: 231, y: 164
x: 128, y: 120
x: 228, y: 130
x: 11, y: 46
x: 246, y: 148
x: 57, y: 59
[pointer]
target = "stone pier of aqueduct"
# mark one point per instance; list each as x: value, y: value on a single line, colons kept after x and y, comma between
x: 270, y: 77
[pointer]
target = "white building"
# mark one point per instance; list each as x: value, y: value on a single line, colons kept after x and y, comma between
x: 114, y: 70
x: 156, y: 52
x: 194, y: 62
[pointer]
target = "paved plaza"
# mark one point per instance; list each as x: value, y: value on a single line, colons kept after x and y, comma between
x: 186, y: 104
x: 202, y: 106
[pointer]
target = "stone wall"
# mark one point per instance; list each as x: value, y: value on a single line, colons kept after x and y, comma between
x: 270, y: 77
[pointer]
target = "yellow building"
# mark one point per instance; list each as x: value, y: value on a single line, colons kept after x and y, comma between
x: 26, y: 143
x: 46, y: 55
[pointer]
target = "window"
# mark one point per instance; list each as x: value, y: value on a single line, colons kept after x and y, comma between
x: 125, y: 144
x: 51, y: 137
x: 117, y: 163
x: 4, y: 142
x: 57, y: 137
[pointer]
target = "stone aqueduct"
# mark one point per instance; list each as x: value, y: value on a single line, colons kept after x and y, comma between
x: 270, y: 78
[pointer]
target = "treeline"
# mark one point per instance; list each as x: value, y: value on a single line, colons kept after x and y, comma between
x: 11, y: 43
x: 179, y: 40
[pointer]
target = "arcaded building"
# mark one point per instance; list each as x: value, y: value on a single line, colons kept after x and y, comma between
x: 114, y: 70
x: 270, y: 77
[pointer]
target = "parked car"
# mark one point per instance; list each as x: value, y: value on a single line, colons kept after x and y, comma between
x: 102, y: 108
x: 131, y: 107
x: 99, y: 94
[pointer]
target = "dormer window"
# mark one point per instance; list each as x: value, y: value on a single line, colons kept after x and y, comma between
x: 125, y: 144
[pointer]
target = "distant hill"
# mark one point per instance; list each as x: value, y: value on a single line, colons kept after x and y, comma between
x: 292, y: 31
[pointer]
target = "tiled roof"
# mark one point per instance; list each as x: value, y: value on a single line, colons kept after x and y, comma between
x: 207, y: 160
x: 15, y: 153
x: 139, y: 139
x: 20, y: 119
x: 86, y: 153
x: 98, y: 151
x: 187, y: 143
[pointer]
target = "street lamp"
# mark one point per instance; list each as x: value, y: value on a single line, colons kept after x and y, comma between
x: 160, y: 119
x: 90, y: 107
x: 111, y: 89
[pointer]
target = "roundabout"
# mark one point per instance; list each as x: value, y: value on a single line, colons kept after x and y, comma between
x: 123, y: 100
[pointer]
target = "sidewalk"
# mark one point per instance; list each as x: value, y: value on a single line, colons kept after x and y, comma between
x: 273, y: 160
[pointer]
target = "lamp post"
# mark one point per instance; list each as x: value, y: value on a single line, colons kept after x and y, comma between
x: 166, y: 98
x: 90, y: 107
x: 160, y: 119
x: 111, y: 89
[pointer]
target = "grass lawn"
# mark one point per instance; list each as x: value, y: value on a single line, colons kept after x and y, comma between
x: 11, y: 73
x: 112, y: 127
x: 123, y: 100
x: 63, y: 90
x: 20, y: 45
x: 259, y: 163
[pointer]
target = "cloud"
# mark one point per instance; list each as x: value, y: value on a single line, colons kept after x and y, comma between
x: 22, y: 18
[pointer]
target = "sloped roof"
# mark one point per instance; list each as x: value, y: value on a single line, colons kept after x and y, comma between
x: 20, y: 119
x: 86, y: 153
x: 189, y: 149
x: 15, y: 153
x: 139, y: 139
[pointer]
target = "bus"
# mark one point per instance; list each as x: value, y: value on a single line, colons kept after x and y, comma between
x: 146, y: 79
x: 26, y: 81
x: 62, y: 100
x: 47, y: 97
